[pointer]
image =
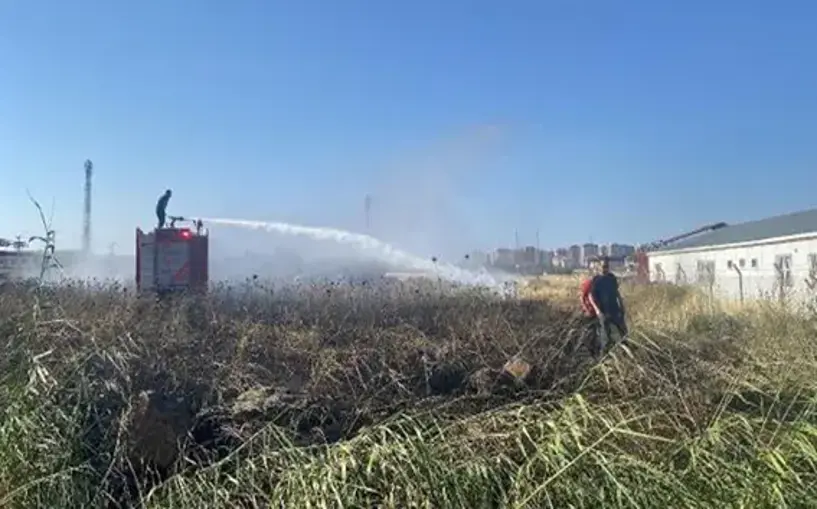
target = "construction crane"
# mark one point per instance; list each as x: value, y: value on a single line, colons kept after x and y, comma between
x: 658, y: 244
x: 640, y: 262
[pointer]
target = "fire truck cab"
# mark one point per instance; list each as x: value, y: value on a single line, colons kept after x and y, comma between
x: 172, y: 259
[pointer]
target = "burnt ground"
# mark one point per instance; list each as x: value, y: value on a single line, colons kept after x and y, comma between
x: 179, y: 384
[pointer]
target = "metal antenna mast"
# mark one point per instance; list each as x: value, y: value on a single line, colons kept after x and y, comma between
x: 86, y: 219
x: 367, y: 208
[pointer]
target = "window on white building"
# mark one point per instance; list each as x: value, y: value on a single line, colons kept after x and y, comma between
x: 754, y: 263
x: 742, y: 263
x: 782, y: 264
x: 729, y: 264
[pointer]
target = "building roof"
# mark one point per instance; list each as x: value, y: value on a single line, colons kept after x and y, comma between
x: 778, y: 226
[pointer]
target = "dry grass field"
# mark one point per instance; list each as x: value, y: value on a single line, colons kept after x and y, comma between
x: 400, y: 395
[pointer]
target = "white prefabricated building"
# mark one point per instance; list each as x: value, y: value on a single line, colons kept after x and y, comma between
x: 769, y: 258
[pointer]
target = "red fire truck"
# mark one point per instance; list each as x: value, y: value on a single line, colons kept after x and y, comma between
x: 172, y: 259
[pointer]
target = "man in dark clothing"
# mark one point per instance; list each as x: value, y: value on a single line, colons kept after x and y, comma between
x: 161, y: 208
x: 590, y: 322
x: 607, y: 302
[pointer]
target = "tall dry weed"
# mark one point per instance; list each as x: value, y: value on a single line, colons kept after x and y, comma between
x: 399, y: 395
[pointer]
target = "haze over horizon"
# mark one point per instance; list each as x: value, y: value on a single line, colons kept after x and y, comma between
x: 465, y: 121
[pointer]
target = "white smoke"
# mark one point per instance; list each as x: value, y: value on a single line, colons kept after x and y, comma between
x: 370, y: 246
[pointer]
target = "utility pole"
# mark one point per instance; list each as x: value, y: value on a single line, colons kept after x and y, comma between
x: 367, y: 209
x: 86, y: 220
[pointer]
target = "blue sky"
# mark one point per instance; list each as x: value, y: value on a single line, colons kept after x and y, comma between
x: 466, y: 120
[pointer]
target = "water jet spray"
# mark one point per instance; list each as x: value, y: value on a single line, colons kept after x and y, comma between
x: 371, y: 246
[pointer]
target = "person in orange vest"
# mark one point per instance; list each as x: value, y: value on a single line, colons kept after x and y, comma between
x: 590, y: 316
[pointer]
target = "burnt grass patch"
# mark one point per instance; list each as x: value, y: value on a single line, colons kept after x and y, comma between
x: 163, y: 386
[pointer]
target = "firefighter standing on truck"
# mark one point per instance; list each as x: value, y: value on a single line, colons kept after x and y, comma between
x: 161, y: 207
x: 606, y: 300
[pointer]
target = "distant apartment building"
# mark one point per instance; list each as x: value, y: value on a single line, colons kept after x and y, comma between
x: 621, y: 250
x: 527, y: 260
x: 546, y: 258
x: 574, y: 256
x: 589, y: 251
x: 578, y: 255
x: 560, y: 257
x: 504, y: 257
x: 529, y: 256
